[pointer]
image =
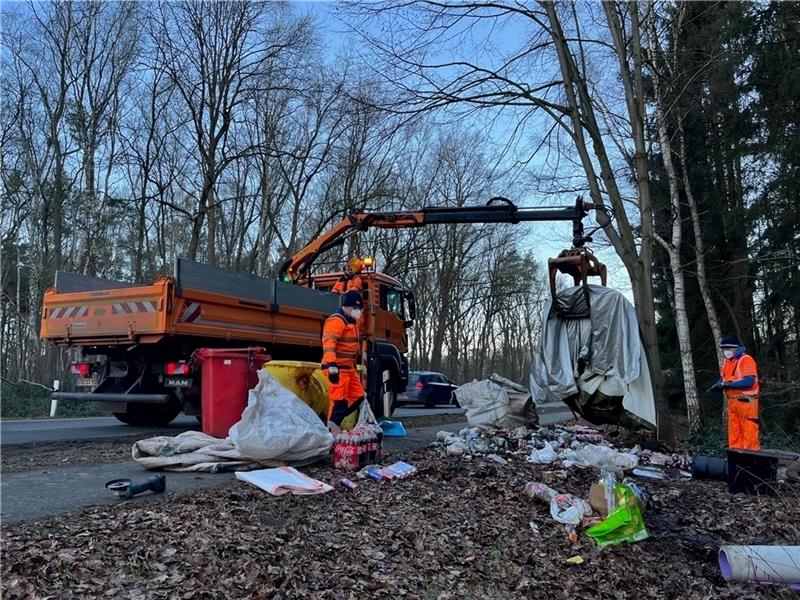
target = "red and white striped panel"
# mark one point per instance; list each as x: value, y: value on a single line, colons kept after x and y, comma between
x: 127, y: 308
x: 66, y: 312
x: 191, y: 313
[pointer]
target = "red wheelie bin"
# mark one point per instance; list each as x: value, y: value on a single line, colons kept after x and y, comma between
x: 227, y: 374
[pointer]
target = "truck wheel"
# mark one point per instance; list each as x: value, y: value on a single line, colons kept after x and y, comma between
x: 378, y: 410
x: 149, y: 415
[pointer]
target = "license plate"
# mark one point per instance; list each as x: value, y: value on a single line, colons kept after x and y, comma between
x: 178, y: 382
x: 86, y: 381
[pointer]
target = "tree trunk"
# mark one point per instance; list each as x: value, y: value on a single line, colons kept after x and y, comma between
x: 699, y: 248
x: 673, y: 247
x: 638, y: 263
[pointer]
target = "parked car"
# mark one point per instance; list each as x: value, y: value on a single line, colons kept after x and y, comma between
x: 428, y: 388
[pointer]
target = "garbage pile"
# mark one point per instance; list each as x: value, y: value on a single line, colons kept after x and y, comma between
x: 572, y: 445
x: 568, y: 446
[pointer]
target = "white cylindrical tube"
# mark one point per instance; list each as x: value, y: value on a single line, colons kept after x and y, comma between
x: 766, y: 564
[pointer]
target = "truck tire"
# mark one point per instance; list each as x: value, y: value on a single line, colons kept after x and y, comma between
x: 149, y: 415
x: 378, y: 410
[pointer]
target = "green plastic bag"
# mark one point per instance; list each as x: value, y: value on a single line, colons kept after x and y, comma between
x: 623, y: 524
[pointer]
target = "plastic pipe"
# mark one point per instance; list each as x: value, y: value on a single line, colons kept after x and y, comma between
x: 709, y: 467
x: 763, y: 564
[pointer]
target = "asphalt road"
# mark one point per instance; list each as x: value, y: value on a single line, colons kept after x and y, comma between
x: 48, y: 491
x: 100, y: 428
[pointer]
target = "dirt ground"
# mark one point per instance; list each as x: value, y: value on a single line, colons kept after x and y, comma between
x: 458, y: 529
x: 15, y: 458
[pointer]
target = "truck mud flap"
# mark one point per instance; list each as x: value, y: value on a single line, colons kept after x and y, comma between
x: 117, y: 398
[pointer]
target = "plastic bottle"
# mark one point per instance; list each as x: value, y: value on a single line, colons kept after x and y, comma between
x: 354, y: 453
x: 379, y: 442
x: 337, y: 451
x: 364, y: 434
x: 373, y: 447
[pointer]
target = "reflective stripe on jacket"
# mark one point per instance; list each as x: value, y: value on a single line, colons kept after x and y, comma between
x: 340, y: 342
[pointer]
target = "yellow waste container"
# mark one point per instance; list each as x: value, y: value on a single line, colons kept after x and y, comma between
x: 305, y: 380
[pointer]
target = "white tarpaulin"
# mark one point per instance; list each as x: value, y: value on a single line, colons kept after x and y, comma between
x: 276, y: 429
x: 497, y: 402
x: 586, y: 362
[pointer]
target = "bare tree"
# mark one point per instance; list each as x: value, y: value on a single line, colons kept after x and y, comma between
x: 673, y: 244
x: 104, y: 46
x: 215, y: 53
x: 527, y: 79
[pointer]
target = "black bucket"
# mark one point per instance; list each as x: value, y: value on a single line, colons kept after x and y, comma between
x: 710, y: 467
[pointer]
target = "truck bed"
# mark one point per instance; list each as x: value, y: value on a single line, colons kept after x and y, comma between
x: 198, y: 300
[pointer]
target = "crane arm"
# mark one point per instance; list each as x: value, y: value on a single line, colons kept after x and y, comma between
x: 497, y: 210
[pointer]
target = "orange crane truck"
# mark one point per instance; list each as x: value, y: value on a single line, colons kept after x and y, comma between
x: 131, y: 346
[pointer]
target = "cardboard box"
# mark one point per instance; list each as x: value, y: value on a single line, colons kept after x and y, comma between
x: 597, y: 499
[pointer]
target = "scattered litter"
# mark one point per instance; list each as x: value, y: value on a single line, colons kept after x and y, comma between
x: 572, y: 534
x: 534, y: 527
x: 575, y: 560
x: 623, y: 524
x: 649, y: 473
x: 602, y: 495
x: 569, y: 509
x: 283, y: 480
x: 400, y: 470
x: 540, y: 491
x: 660, y: 459
x: 603, y: 457
x: 347, y: 484
x: 639, y: 493
x: 456, y: 450
x: 372, y: 472
x: 545, y: 455
x: 498, y: 459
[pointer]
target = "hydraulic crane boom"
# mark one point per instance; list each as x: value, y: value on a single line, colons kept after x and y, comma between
x: 497, y: 210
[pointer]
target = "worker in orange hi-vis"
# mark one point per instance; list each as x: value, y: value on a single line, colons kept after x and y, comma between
x: 350, y: 281
x: 341, y: 346
x: 739, y: 382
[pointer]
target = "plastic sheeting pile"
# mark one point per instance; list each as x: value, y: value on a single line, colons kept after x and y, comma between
x: 497, y: 402
x: 277, y: 428
x: 595, y: 365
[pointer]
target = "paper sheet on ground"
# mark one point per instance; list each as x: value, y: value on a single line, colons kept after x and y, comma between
x: 284, y: 480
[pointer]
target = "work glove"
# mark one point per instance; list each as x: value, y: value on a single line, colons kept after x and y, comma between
x: 333, y: 375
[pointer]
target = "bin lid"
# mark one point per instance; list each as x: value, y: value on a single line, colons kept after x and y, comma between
x: 294, y: 364
x: 202, y: 354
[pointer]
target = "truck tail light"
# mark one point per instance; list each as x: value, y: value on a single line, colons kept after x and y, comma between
x: 177, y: 368
x: 81, y: 369
x: 420, y: 385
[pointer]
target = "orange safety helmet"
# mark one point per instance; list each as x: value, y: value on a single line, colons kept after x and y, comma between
x: 356, y: 265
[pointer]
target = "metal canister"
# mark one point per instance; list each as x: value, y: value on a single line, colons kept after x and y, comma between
x: 346, y: 483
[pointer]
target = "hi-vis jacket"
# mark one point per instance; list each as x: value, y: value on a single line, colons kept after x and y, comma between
x: 340, y: 342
